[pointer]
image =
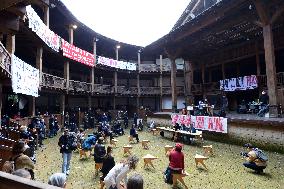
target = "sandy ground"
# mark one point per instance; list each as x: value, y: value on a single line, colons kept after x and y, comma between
x: 225, y: 168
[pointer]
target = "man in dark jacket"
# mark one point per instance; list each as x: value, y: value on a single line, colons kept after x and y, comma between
x: 66, y: 144
x: 99, y: 152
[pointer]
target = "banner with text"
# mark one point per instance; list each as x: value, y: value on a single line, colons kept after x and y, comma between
x: 216, y: 124
x: 116, y: 64
x: 25, y: 78
x: 239, y: 83
x: 77, y: 54
x: 37, y: 26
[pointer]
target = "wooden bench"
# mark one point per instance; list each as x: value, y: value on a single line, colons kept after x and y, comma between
x: 130, y: 139
x: 155, y: 132
x: 208, y: 150
x: 179, y: 177
x: 126, y: 149
x: 5, y: 155
x: 148, y: 160
x: 113, y: 142
x: 145, y: 144
x: 168, y: 149
x: 200, y: 159
x: 98, y: 167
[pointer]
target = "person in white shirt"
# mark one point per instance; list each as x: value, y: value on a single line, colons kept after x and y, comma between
x: 119, y: 173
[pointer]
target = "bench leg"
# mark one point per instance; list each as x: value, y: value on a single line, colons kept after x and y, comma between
x: 182, y: 182
x: 202, y: 163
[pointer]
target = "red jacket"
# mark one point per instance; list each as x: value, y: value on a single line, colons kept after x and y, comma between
x: 176, y: 159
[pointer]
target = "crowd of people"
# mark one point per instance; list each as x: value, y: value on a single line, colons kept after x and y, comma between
x: 113, y: 173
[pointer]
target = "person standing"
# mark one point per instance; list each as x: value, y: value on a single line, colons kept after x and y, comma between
x: 134, y: 133
x: 119, y: 172
x: 66, y: 147
x: 225, y: 104
x: 99, y: 152
x: 108, y: 163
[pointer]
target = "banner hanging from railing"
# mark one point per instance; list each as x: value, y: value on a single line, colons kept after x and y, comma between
x: 216, y: 124
x: 37, y: 26
x: 77, y: 54
x: 239, y: 83
x: 116, y: 64
x: 25, y: 78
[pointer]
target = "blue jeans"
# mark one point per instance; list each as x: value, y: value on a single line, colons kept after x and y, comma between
x: 253, y: 166
x: 66, y: 162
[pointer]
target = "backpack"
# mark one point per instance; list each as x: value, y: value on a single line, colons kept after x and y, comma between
x: 261, y: 155
x: 9, y: 166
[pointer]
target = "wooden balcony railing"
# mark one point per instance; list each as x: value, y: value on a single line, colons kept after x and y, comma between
x: 79, y: 86
x: 103, y: 89
x: 51, y: 81
x: 210, y: 87
x: 127, y: 90
x: 5, y: 60
x: 149, y: 90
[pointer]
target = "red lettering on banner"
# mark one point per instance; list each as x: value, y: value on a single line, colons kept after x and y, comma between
x: 218, y: 124
x: 175, y: 119
x: 182, y: 119
x: 187, y: 121
x: 210, y: 123
x: 200, y: 122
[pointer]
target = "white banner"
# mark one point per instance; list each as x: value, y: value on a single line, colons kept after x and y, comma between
x: 216, y: 124
x: 37, y: 26
x: 25, y: 78
x: 240, y: 83
x: 116, y: 64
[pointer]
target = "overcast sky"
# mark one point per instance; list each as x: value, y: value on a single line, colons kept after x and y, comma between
x: 138, y: 22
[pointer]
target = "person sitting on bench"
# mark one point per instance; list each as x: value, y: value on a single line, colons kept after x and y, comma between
x: 134, y: 133
x: 176, y: 165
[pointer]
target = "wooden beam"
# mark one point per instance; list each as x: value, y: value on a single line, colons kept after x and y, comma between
x: 262, y: 12
x: 8, y: 3
x: 173, y: 85
x: 276, y: 15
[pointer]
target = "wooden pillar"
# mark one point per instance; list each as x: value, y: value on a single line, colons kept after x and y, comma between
x: 92, y: 76
x: 115, y: 79
x: 257, y: 60
x: 173, y: 85
x: 203, y: 79
x: 223, y: 71
x: 1, y: 96
x: 39, y: 62
x: 10, y: 43
x: 161, y: 82
x: 188, y: 69
x: 138, y: 81
x: 46, y: 16
x: 270, y: 64
x: 31, y: 105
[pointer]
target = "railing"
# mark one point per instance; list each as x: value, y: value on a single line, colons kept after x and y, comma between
x: 103, y: 89
x: 51, y: 81
x: 156, y: 67
x: 127, y: 90
x: 79, y: 86
x: 5, y: 59
x: 196, y: 88
x: 262, y: 80
x: 149, y: 90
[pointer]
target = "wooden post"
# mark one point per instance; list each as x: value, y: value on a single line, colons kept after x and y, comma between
x: 270, y: 64
x: 10, y: 43
x: 39, y: 62
x: 46, y: 16
x: 138, y: 81
x: 173, y: 85
x: 223, y: 71
x: 1, y: 96
x: 62, y: 104
x: 257, y: 60
x: 31, y: 106
x: 188, y: 69
x: 161, y: 82
x: 203, y: 79
x: 115, y: 79
x: 92, y: 76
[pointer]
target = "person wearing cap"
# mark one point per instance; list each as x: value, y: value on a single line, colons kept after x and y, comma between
x: 65, y: 145
x: 253, y: 162
x: 119, y: 172
x: 176, y: 165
